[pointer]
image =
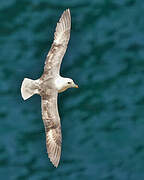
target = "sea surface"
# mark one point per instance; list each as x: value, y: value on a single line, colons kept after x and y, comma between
x: 103, y: 120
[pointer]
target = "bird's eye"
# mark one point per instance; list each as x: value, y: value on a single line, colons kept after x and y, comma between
x: 69, y: 82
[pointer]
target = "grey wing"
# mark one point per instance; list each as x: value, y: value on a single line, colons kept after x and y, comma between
x: 59, y: 46
x: 52, y: 125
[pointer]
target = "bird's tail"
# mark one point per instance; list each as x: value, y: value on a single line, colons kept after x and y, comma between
x: 29, y: 87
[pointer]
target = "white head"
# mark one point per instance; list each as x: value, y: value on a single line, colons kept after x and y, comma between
x: 64, y: 83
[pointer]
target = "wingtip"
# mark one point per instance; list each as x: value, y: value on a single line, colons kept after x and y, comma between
x: 55, y: 160
x: 55, y: 163
x: 67, y: 11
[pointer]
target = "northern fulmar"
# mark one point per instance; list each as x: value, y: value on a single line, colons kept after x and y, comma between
x: 49, y: 85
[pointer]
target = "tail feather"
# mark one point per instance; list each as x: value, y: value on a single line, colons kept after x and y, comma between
x: 29, y: 88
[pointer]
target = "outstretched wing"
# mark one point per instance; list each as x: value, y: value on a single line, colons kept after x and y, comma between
x: 52, y: 125
x: 59, y: 46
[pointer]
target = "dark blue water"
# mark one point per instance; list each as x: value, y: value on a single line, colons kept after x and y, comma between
x: 103, y: 120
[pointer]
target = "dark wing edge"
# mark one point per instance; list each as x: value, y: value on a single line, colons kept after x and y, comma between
x: 59, y: 46
x: 52, y: 125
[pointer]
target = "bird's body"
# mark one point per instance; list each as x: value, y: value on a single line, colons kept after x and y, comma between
x: 49, y: 85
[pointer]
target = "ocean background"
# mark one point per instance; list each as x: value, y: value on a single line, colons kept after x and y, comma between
x: 103, y: 120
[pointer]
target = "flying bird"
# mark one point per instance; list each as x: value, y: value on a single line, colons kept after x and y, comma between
x: 49, y: 85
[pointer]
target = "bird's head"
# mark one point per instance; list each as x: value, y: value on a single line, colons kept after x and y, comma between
x: 65, y: 83
x: 70, y: 83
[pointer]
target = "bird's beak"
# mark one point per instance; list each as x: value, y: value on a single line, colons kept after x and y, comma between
x: 75, y: 86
